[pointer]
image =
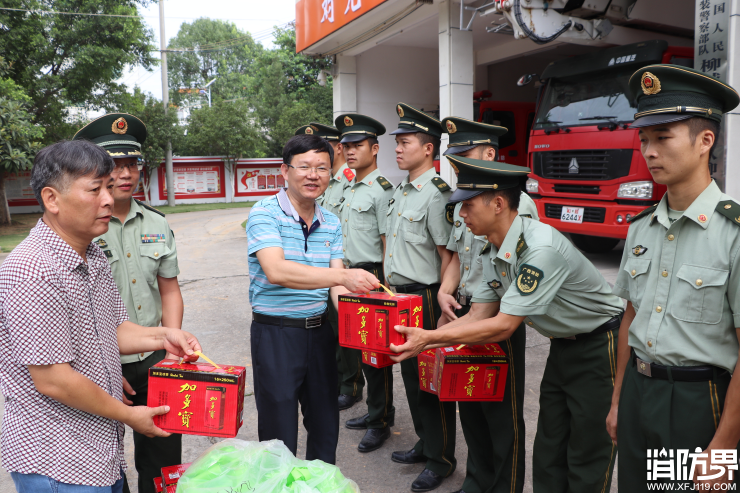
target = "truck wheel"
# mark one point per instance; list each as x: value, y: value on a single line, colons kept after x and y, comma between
x: 594, y: 244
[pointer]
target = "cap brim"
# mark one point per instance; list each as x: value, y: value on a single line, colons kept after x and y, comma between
x: 652, y: 120
x: 354, y: 138
x: 405, y: 131
x: 461, y: 194
x: 458, y: 149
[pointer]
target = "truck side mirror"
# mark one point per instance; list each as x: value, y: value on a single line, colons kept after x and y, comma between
x: 525, y: 79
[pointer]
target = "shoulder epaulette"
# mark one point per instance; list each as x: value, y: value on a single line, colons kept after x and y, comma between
x: 731, y: 210
x: 148, y: 207
x: 486, y: 248
x: 441, y: 185
x: 450, y: 213
x: 384, y: 183
x: 644, y: 213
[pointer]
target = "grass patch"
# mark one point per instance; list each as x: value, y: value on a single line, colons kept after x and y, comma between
x: 244, y: 224
x: 202, y: 207
x: 20, y: 225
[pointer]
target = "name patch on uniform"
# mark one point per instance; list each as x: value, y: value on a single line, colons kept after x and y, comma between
x: 529, y: 279
x: 152, y: 238
x: 495, y: 284
x: 107, y: 253
x: 639, y: 250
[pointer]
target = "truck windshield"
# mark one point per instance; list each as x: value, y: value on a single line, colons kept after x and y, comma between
x: 587, y: 100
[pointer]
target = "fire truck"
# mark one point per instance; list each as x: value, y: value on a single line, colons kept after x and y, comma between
x: 588, y: 174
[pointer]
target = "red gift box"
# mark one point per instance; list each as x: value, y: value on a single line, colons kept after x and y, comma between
x: 158, y: 484
x: 465, y: 373
x: 426, y: 370
x: 171, y: 489
x: 378, y: 360
x: 366, y: 321
x: 203, y: 399
x: 171, y: 474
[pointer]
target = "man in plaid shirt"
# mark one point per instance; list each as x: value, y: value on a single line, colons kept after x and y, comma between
x: 63, y: 327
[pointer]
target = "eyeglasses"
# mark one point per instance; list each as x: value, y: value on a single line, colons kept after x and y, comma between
x: 306, y: 170
x: 119, y: 168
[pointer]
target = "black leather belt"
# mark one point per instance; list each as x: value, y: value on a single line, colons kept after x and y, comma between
x: 414, y: 288
x: 677, y: 373
x: 464, y: 300
x: 301, y: 323
x: 368, y: 266
x: 611, y: 324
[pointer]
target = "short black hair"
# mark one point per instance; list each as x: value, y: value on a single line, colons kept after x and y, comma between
x: 511, y: 195
x: 429, y: 139
x: 698, y: 124
x: 58, y: 164
x: 301, y: 144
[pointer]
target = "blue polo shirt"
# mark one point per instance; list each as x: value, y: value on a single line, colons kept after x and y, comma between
x: 273, y: 222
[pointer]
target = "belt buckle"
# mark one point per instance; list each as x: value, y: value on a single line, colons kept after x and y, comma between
x: 643, y: 367
x: 313, y: 320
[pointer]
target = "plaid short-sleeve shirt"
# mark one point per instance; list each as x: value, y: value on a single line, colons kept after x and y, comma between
x: 55, y: 308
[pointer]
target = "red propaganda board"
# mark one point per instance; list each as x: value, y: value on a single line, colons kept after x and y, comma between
x: 258, y: 177
x: 316, y: 19
x: 18, y: 189
x: 194, y: 181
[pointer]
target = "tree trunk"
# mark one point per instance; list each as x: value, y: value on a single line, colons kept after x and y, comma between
x: 146, y: 184
x: 4, y: 208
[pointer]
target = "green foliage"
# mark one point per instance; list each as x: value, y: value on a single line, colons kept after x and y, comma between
x: 287, y: 93
x: 226, y: 129
x: 161, y: 127
x: 62, y: 60
x: 19, y: 138
x: 232, y: 64
x: 295, y: 115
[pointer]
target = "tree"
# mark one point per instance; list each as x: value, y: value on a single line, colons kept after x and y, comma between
x: 19, y: 138
x: 286, y: 90
x: 223, y: 51
x: 63, y: 60
x: 294, y: 116
x: 161, y: 128
x: 227, y: 129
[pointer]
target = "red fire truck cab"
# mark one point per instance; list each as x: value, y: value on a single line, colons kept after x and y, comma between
x: 588, y: 174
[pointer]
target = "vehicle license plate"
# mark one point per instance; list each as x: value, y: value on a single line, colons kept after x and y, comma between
x: 572, y: 214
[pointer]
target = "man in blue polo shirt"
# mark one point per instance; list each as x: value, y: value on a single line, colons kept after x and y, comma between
x: 295, y: 257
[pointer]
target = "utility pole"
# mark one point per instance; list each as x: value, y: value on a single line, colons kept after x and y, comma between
x: 170, y: 174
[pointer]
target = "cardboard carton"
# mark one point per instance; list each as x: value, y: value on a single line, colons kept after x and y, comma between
x: 366, y: 321
x: 378, y: 360
x: 172, y: 474
x: 203, y: 399
x: 465, y: 373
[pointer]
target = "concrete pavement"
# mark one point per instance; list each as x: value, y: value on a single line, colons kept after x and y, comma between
x: 212, y: 252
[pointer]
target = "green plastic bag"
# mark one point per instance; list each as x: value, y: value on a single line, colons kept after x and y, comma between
x: 238, y: 466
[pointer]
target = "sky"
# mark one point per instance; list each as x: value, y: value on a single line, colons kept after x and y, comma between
x: 255, y: 16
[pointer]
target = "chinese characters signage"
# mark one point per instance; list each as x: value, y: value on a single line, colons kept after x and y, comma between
x: 710, y: 57
x: 194, y: 181
x: 316, y: 19
x: 258, y: 179
x: 710, y: 40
